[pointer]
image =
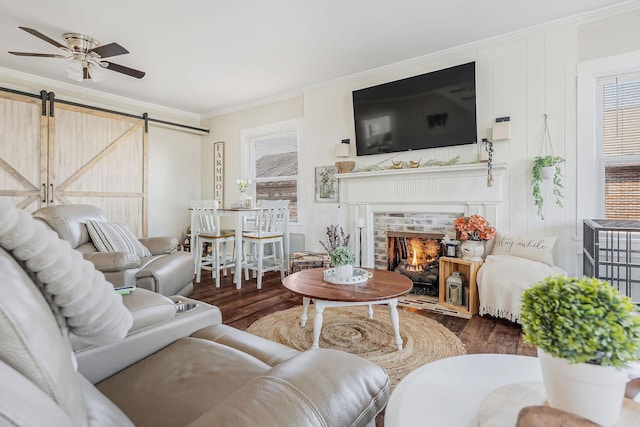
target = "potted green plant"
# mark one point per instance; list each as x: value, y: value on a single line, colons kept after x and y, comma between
x: 546, y: 167
x: 342, y: 258
x: 586, y: 333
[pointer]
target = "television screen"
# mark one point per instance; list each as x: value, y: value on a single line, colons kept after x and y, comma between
x: 436, y: 109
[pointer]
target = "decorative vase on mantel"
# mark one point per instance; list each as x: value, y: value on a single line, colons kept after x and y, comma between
x: 472, y: 250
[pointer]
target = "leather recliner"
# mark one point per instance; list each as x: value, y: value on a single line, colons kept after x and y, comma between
x: 167, y: 271
x: 147, y: 360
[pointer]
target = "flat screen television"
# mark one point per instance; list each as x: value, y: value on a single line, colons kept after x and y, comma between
x: 437, y: 109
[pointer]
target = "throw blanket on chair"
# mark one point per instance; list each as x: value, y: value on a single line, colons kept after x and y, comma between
x: 502, y: 279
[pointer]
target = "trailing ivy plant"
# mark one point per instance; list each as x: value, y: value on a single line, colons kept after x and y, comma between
x: 582, y: 320
x: 342, y: 255
x: 539, y: 163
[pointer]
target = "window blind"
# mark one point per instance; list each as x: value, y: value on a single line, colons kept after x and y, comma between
x: 618, y: 146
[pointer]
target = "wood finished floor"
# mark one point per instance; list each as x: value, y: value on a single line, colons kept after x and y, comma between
x: 241, y: 307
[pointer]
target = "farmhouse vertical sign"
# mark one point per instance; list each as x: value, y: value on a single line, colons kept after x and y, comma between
x: 218, y: 172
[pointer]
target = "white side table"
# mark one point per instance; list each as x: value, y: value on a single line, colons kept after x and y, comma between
x: 448, y: 392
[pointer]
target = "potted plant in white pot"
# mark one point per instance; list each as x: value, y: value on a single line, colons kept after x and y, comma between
x: 342, y: 258
x: 586, y: 334
x: 546, y: 167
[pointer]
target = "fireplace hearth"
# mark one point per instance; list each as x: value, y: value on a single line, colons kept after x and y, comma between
x: 416, y: 255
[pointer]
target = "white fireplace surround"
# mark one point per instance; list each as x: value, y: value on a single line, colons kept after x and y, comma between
x: 438, y: 189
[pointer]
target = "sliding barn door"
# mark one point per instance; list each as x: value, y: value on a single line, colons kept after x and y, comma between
x: 64, y: 154
x: 23, y: 150
x: 100, y: 159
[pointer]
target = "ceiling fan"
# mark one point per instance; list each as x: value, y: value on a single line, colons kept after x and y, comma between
x: 86, y: 56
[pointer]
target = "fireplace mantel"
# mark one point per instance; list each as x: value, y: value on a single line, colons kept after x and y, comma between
x: 453, y: 169
x: 458, y: 189
x: 461, y: 183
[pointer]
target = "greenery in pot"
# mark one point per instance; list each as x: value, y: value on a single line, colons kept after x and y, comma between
x: 542, y: 162
x: 342, y: 255
x: 581, y: 320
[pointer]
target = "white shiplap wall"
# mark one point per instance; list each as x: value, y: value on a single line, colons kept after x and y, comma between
x: 523, y: 77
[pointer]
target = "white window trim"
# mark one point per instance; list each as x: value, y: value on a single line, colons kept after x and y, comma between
x: 604, y: 161
x: 588, y: 73
x: 247, y: 136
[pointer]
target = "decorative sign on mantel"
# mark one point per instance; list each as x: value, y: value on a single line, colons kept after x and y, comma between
x: 218, y: 172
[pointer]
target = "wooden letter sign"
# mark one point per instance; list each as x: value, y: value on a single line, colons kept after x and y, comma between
x: 218, y: 172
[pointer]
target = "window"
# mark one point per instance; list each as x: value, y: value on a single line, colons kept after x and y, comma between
x: 272, y: 163
x: 618, y: 146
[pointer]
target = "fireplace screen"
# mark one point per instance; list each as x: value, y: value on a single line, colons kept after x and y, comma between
x: 416, y: 255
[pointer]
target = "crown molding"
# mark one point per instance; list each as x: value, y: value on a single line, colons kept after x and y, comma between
x: 252, y: 104
x: 24, y: 82
x: 484, y: 43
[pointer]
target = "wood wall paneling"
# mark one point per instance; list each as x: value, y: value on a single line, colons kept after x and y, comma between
x: 516, y: 147
x: 79, y: 155
x: 21, y: 134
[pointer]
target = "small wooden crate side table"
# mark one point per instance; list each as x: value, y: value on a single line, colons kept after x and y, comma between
x: 468, y: 269
x: 299, y: 261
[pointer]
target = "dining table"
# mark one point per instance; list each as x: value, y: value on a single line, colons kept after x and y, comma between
x: 240, y: 213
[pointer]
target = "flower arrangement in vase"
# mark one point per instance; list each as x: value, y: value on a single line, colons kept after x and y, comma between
x: 335, y: 237
x: 243, y: 186
x: 473, y: 231
x: 586, y: 333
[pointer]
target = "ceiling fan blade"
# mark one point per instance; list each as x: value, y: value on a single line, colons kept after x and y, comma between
x: 41, y: 36
x: 109, y: 50
x: 41, y: 55
x: 124, y: 70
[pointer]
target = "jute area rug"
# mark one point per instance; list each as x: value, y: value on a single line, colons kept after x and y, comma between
x: 349, y: 329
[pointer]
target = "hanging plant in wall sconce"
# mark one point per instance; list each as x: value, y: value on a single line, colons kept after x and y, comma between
x: 546, y: 166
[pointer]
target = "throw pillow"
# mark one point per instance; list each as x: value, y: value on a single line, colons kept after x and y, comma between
x: 109, y: 237
x: 533, y: 248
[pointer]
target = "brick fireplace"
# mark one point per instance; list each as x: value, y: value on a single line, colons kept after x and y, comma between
x: 416, y: 255
x: 423, y: 225
x: 421, y: 200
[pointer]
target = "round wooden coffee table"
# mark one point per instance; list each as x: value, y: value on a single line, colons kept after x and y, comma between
x: 383, y: 287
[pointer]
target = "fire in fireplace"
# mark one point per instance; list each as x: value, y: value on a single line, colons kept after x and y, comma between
x: 416, y: 255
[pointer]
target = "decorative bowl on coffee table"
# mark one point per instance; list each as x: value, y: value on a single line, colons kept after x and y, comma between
x: 360, y: 275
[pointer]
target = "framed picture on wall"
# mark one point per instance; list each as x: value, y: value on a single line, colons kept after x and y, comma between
x: 326, y: 188
x: 218, y: 172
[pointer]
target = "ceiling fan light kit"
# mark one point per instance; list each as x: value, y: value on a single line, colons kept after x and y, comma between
x: 95, y: 70
x: 75, y: 70
x: 85, y: 54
